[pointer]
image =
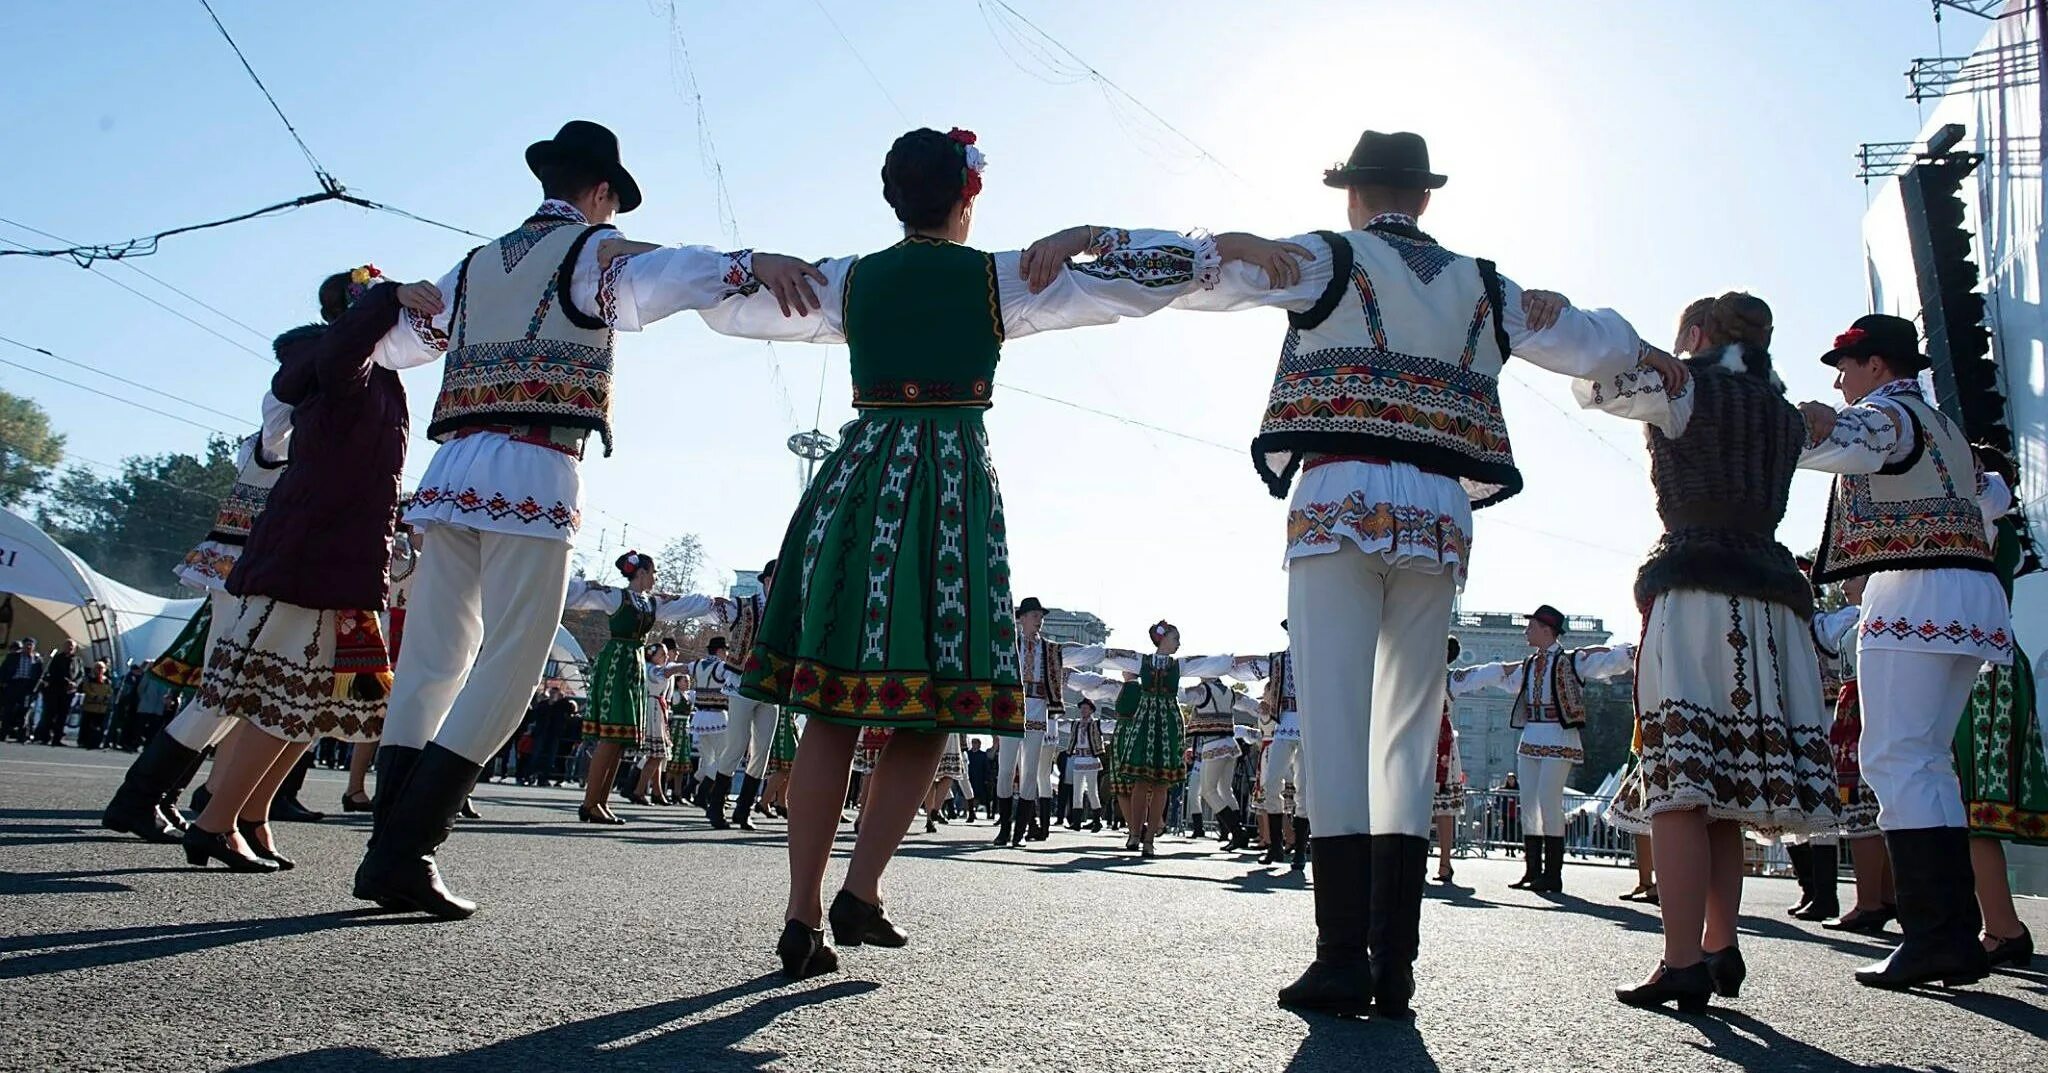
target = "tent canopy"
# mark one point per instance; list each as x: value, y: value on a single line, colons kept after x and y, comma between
x: 55, y: 595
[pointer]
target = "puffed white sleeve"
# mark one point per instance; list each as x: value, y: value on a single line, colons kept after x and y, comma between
x: 1506, y: 677
x: 276, y: 436
x: 1095, y: 687
x: 684, y: 608
x: 1208, y: 666
x: 1638, y: 395
x: 755, y: 314
x: 1132, y: 274
x: 1604, y: 662
x: 1072, y: 656
x: 1584, y: 344
x: 1127, y: 662
x: 415, y: 339
x: 1831, y: 629
x: 592, y: 596
x: 1241, y: 286
x: 1867, y: 436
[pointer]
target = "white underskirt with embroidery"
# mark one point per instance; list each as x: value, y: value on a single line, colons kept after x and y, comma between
x: 1551, y: 741
x: 1957, y: 612
x: 206, y: 566
x: 494, y: 484
x: 1419, y: 521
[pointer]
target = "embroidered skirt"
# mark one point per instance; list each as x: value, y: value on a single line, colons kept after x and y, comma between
x: 618, y: 694
x: 1859, y: 802
x: 893, y: 605
x: 951, y: 766
x: 678, y: 744
x: 782, y: 751
x: 1999, y: 756
x: 654, y: 741
x: 184, y: 662
x: 1728, y: 698
x: 207, y: 566
x: 1149, y: 745
x: 1450, y: 771
x: 869, y: 752
x: 298, y: 673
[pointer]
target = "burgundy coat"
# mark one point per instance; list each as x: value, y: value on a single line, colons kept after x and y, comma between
x: 324, y: 537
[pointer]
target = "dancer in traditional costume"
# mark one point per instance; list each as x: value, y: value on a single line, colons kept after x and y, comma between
x: 782, y: 757
x: 1549, y: 709
x: 1214, y: 714
x: 1281, y: 766
x: 303, y: 656
x: 1834, y: 636
x: 526, y: 323
x: 1449, y: 803
x: 617, y: 715
x: 712, y: 682
x: 1908, y: 509
x: 1386, y: 404
x: 1728, y: 690
x: 655, y: 750
x: 1024, y: 763
x: 2000, y: 760
x: 951, y: 769
x: 750, y: 724
x: 146, y: 803
x: 1084, y: 768
x: 355, y: 797
x: 898, y: 612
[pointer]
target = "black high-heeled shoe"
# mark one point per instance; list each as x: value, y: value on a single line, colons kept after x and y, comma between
x: 804, y: 953
x: 468, y: 811
x: 857, y: 923
x: 2017, y: 951
x: 249, y: 829
x: 202, y: 845
x: 931, y: 823
x: 1690, y: 987
x: 590, y: 815
x: 1725, y: 966
x: 1863, y: 921
x: 353, y: 803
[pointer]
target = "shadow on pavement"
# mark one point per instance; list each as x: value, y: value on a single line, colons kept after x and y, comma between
x: 1746, y: 1043
x: 1338, y: 1043
x: 595, y: 1043
x: 93, y: 882
x: 37, y: 955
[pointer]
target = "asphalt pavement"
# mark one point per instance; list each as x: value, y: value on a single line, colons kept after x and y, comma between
x: 650, y: 947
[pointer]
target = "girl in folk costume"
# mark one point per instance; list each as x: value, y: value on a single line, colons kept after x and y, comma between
x: 1908, y: 509
x: 952, y: 769
x: 655, y: 747
x: 618, y: 678
x: 1834, y: 636
x: 2000, y: 759
x: 1150, y: 743
x: 303, y: 655
x: 1728, y: 687
x: 1449, y: 803
x: 781, y: 758
x: 1084, y: 768
x: 676, y: 702
x: 873, y: 742
x: 897, y: 611
x: 146, y: 804
x: 711, y: 681
x: 404, y: 560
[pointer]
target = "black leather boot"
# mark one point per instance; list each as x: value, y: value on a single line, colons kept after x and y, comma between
x: 1240, y: 832
x: 714, y: 802
x: 1304, y: 846
x: 168, y: 804
x: 1822, y: 891
x: 1339, y: 980
x: 1005, y: 811
x: 1396, y: 931
x: 1276, y: 840
x: 400, y: 872
x: 1042, y: 820
x: 134, y: 807
x: 1551, y: 879
x: 285, y: 805
x: 1195, y: 826
x: 1024, y: 822
x: 1937, y: 911
x: 1532, y: 863
x: 1801, y: 855
x: 394, y: 766
x: 743, y: 809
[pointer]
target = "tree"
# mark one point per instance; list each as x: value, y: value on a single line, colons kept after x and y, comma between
x: 679, y: 562
x: 28, y: 449
x: 1610, y: 726
x: 136, y: 526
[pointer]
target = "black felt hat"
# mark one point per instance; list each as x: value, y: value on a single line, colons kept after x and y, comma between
x: 590, y: 145
x: 1029, y: 605
x: 1549, y: 616
x: 1880, y: 335
x: 1399, y: 160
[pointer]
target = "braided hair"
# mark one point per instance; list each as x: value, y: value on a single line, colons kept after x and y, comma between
x: 924, y: 176
x: 1739, y: 318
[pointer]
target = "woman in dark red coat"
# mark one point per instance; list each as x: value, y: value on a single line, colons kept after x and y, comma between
x: 304, y: 657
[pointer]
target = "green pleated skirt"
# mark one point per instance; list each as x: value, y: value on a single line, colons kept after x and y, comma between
x: 782, y: 752
x: 618, y: 694
x: 892, y: 604
x: 1999, y: 757
x: 1149, y: 745
x: 183, y: 662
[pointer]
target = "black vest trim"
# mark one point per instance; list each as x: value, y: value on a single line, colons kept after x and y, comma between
x: 1497, y: 296
x: 567, y: 273
x: 1425, y: 457
x: 1341, y: 262
x: 1893, y: 469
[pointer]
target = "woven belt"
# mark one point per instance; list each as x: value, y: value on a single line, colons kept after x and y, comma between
x: 568, y: 441
x: 1327, y: 460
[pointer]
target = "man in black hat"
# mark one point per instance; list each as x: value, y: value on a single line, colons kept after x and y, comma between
x: 1024, y: 810
x: 750, y: 724
x: 1386, y: 405
x: 1282, y: 765
x: 526, y: 323
x: 1908, y: 512
x: 1549, y: 709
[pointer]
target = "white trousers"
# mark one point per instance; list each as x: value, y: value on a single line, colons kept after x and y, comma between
x: 1911, y: 704
x: 1217, y: 791
x: 749, y: 735
x: 478, y: 629
x: 1026, y: 759
x: 1087, y: 788
x: 1542, y: 798
x: 198, y: 726
x: 1191, y: 794
x: 1007, y: 751
x: 1283, y: 759
x: 1368, y: 644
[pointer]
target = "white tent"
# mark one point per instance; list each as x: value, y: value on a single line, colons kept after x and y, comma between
x: 55, y: 595
x: 567, y: 664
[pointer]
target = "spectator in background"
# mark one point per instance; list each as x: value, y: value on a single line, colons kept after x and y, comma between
x: 122, y: 729
x: 155, y: 703
x: 981, y: 777
x: 554, y: 717
x: 60, y: 687
x: 21, y: 678
x: 98, y: 688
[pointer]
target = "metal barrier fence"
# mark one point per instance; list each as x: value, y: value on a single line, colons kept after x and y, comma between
x: 1491, y: 825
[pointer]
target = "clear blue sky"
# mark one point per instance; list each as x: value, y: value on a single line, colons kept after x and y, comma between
x: 1633, y: 155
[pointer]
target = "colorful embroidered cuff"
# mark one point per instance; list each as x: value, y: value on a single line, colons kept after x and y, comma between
x: 1105, y: 240
x: 739, y: 272
x: 423, y: 329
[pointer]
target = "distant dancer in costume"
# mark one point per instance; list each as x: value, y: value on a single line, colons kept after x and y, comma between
x: 1449, y: 803
x: 750, y: 724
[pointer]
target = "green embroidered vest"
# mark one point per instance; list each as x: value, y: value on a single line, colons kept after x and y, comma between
x: 923, y: 325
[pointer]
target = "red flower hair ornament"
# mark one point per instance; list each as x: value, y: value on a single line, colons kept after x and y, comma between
x: 970, y: 180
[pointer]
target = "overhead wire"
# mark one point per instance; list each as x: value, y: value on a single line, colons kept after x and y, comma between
x: 320, y: 171
x: 153, y: 278
x: 108, y: 395
x: 121, y: 379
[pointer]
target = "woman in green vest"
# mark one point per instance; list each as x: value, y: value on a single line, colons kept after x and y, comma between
x: 900, y: 613
x: 618, y: 679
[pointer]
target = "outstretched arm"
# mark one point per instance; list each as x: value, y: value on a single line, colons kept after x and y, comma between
x: 1861, y: 438
x: 1506, y: 677
x: 1640, y: 394
x: 759, y: 314
x: 1604, y: 662
x: 1131, y: 274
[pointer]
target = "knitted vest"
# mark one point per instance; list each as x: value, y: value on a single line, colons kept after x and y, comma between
x: 1920, y: 513
x: 1053, y: 688
x: 1567, y: 689
x: 1214, y: 713
x: 1283, y: 683
x: 254, y: 478
x: 1721, y: 491
x: 519, y: 352
x: 707, y: 682
x: 1399, y: 359
x: 746, y: 625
